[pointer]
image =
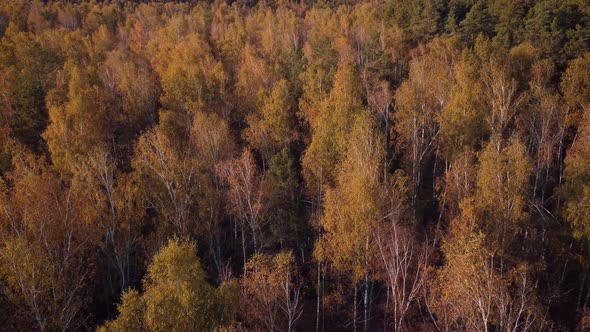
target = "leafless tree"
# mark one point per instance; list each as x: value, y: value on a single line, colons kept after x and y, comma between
x: 245, y: 194
x: 290, y: 301
x: 405, y: 264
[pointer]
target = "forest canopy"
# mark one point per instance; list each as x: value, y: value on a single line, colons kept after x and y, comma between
x: 248, y: 165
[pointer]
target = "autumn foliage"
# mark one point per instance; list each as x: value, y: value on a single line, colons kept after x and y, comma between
x: 282, y: 165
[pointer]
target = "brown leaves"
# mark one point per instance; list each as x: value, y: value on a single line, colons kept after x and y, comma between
x: 245, y: 193
x: 47, y: 249
x: 271, y: 292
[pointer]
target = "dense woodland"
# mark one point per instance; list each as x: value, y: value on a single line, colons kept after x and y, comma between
x: 279, y: 166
